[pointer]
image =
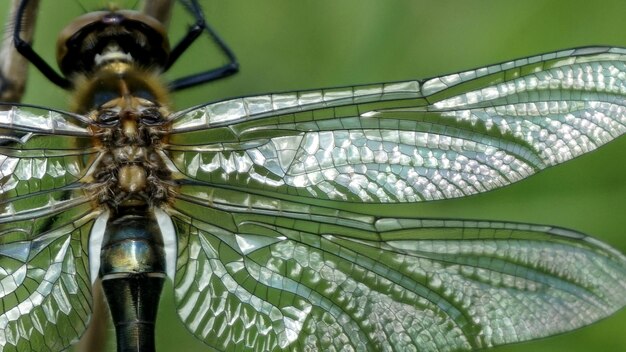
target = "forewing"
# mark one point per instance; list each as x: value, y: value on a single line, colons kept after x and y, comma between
x: 440, y: 138
x: 45, y: 220
x: 43, y: 121
x: 41, y: 151
x: 258, y: 274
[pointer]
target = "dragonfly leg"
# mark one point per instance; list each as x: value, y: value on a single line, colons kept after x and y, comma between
x: 201, y: 26
x: 23, y: 46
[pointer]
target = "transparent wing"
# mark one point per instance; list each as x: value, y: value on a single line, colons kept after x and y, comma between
x: 40, y: 151
x: 45, y: 220
x: 440, y: 138
x: 41, y: 120
x: 45, y: 298
x: 258, y: 271
x: 257, y: 274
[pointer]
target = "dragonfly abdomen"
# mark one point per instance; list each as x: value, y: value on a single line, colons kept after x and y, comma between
x: 132, y: 269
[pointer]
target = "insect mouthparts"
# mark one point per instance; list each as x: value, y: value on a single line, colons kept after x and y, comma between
x: 111, y: 53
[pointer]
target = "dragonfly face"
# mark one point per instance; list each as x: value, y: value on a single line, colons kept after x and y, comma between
x: 224, y: 226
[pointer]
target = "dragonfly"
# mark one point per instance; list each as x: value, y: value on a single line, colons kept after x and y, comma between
x: 261, y: 264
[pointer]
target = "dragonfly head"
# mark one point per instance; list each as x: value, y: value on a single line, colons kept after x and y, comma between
x: 102, y: 37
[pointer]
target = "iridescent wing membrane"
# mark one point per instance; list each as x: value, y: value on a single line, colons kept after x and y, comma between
x: 45, y: 220
x: 262, y: 267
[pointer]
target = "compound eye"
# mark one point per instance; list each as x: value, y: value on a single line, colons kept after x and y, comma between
x: 108, y: 118
x: 102, y: 97
x: 145, y: 94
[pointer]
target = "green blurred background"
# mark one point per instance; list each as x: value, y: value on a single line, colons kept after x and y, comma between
x: 287, y: 45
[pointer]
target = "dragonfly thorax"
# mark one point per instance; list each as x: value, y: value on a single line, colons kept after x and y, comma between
x: 129, y: 124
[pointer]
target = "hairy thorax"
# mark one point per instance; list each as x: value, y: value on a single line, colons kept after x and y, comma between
x: 130, y: 126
